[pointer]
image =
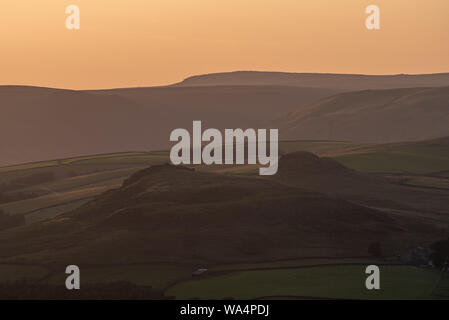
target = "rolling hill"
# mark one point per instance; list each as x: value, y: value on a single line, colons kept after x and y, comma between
x: 42, y: 123
x: 326, y: 175
x: 167, y: 213
x: 346, y: 82
x: 371, y: 116
x: 160, y: 224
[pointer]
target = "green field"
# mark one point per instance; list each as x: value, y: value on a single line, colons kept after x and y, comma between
x: 406, y: 160
x: 80, y: 179
x: 442, y: 288
x: 344, y: 281
x: 107, y: 160
x: 324, y: 148
x: 433, y: 182
x: 420, y: 157
x: 54, y: 211
x: 54, y: 199
x: 76, y: 180
x: 298, y: 262
x: 83, y: 159
x: 156, y: 275
x: 338, y: 282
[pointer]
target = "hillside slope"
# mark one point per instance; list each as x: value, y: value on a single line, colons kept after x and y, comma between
x: 42, y: 123
x: 167, y: 213
x: 371, y: 116
x: 326, y: 175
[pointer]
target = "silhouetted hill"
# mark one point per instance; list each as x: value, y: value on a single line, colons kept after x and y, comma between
x: 326, y: 175
x: 348, y: 82
x: 371, y: 115
x: 168, y: 213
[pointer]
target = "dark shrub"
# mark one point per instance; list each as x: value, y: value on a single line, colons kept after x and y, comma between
x: 440, y: 253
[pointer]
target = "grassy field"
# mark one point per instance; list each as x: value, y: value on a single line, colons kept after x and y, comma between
x: 48, y: 213
x: 322, y: 281
x: 433, y: 182
x: 27, y: 166
x: 369, y: 157
x: 101, y: 157
x: 404, y: 160
x: 82, y: 159
x: 76, y: 180
x: 324, y: 148
x: 53, y: 199
x: 441, y: 290
x: 338, y: 282
x: 397, y: 159
x: 80, y: 178
x: 95, y: 163
x: 297, y: 262
x: 420, y: 158
x: 156, y: 275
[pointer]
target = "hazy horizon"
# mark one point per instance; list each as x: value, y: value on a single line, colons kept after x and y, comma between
x: 154, y: 43
x: 216, y: 73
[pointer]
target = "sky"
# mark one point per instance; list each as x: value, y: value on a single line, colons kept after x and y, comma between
x: 125, y: 43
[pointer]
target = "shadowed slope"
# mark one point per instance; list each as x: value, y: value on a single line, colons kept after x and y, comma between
x: 305, y: 170
x: 168, y: 213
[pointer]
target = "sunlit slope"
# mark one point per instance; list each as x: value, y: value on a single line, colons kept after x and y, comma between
x: 46, y: 189
x: 371, y: 116
x: 424, y: 157
x: 348, y: 82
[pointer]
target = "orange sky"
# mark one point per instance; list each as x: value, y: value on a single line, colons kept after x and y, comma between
x: 125, y: 43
